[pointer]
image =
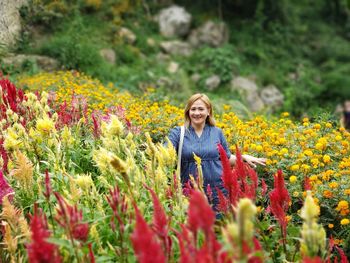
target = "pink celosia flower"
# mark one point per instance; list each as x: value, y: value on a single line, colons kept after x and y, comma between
x: 5, y: 188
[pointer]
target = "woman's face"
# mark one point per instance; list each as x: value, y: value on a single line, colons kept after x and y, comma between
x: 198, y: 112
x: 347, y: 106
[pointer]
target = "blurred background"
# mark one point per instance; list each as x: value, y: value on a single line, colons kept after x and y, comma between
x: 257, y: 56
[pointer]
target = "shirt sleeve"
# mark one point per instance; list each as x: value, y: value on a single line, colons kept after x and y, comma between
x: 224, y: 143
x: 174, y: 137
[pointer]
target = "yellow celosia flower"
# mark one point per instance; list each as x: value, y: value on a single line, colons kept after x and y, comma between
x: 45, y: 126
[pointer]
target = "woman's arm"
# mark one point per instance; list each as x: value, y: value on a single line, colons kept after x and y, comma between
x: 251, y: 160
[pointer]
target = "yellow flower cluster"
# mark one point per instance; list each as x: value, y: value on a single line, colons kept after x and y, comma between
x: 140, y: 111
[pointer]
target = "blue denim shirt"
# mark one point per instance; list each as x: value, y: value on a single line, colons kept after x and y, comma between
x: 205, y: 147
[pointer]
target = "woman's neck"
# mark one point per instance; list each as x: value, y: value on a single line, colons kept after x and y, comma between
x: 198, y: 128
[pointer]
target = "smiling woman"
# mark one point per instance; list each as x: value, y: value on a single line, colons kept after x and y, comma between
x: 201, y: 138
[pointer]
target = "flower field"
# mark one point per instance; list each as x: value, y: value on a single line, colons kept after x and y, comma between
x: 85, y: 177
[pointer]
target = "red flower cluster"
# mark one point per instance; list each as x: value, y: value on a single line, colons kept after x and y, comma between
x: 145, y: 243
x: 5, y: 188
x: 71, y: 220
x: 39, y: 250
x: 279, y: 201
x: 200, y: 217
x: 240, y: 182
x: 119, y: 207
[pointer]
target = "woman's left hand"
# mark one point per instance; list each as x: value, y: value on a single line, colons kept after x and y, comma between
x: 254, y: 161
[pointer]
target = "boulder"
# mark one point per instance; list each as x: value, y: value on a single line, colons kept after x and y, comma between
x: 174, y: 21
x: 127, y: 35
x: 212, y: 82
x: 10, y: 21
x: 176, y: 47
x: 195, y: 77
x: 108, y: 55
x: 173, y: 67
x: 272, y: 97
x: 249, y: 92
x: 211, y: 34
x: 43, y: 62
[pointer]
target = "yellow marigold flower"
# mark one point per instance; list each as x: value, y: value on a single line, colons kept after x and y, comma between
x: 313, y: 178
x: 343, y: 204
x: 317, y: 126
x: 319, y: 146
x: 308, y: 153
x: 259, y: 148
x: 338, y: 138
x: 330, y: 226
x: 327, y: 194
x: 292, y: 179
x: 295, y: 194
x: 294, y: 167
x: 285, y: 114
x: 329, y: 125
x: 344, y: 221
x: 326, y: 158
x: 347, y: 191
x: 333, y: 185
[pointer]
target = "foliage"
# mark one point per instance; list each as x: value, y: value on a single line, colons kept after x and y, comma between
x: 222, y: 61
x: 93, y: 176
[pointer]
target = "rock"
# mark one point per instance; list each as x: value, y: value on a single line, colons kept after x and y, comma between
x: 10, y: 20
x: 212, y: 82
x: 176, y: 47
x: 127, y: 35
x: 162, y: 58
x: 43, y: 62
x: 272, y: 97
x: 249, y: 92
x: 210, y: 33
x: 151, y: 42
x: 174, y: 21
x: 195, y: 77
x: 109, y: 55
x: 173, y: 67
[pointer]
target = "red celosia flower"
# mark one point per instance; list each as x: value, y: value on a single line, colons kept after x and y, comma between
x: 39, y: 250
x: 3, y: 154
x: 263, y: 187
x: 160, y: 222
x: 343, y: 257
x: 5, y: 188
x: 224, y: 203
x: 145, y: 243
x: 229, y: 178
x: 47, y: 192
x: 209, y: 193
x: 119, y: 206
x: 96, y: 126
x: 91, y: 254
x: 197, y: 208
x: 312, y: 260
x: 307, y: 185
x: 71, y: 219
x: 279, y: 201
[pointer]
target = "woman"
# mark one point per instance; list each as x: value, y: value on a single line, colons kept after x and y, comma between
x: 202, y: 137
x: 345, y: 119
